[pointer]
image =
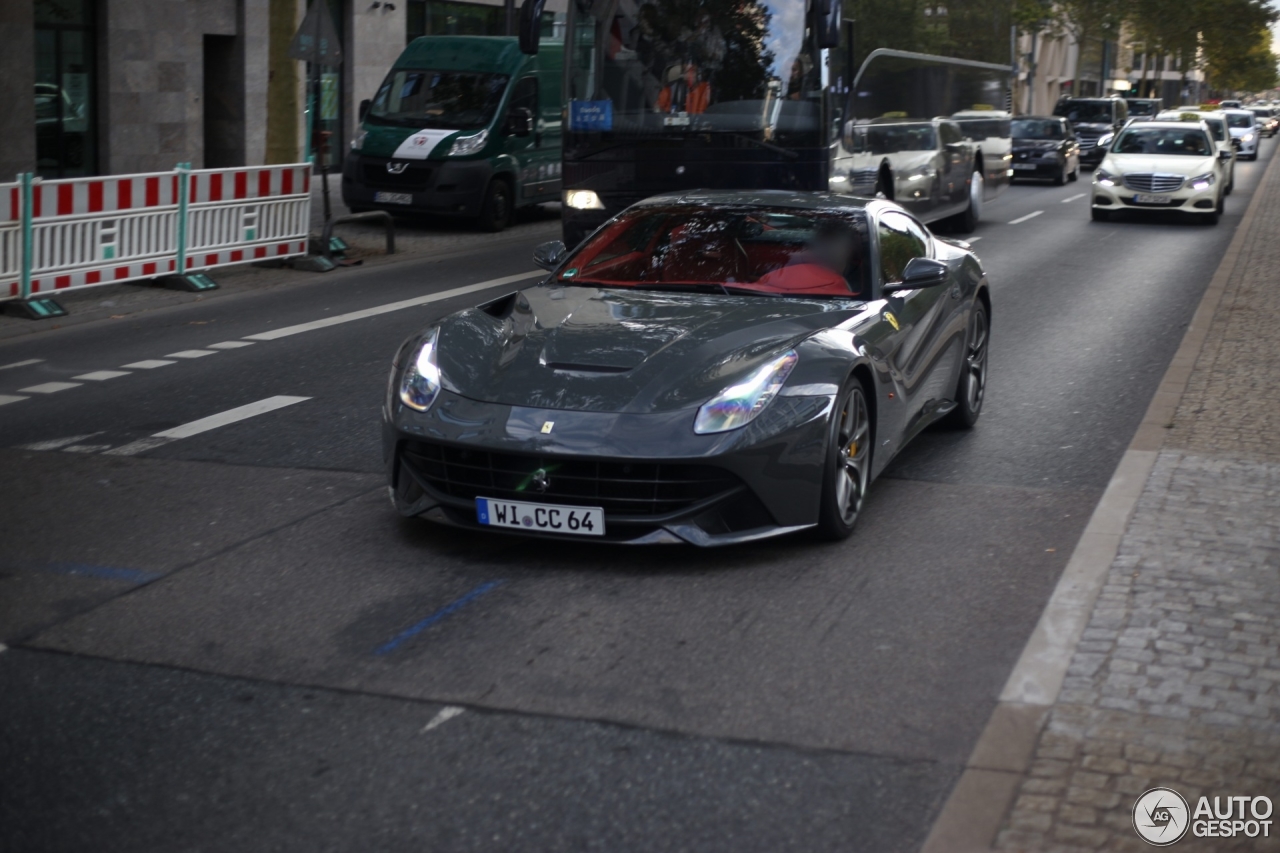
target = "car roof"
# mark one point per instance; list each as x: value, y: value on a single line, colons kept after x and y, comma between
x: 1042, y: 118
x: 766, y: 198
x: 1158, y: 123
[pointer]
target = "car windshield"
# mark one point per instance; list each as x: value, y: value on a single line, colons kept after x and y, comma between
x: 888, y: 138
x: 1265, y: 112
x: 1239, y: 120
x: 1142, y: 108
x: 1037, y: 128
x: 753, y: 250
x: 1089, y: 112
x: 666, y: 67
x: 456, y: 100
x: 1185, y: 142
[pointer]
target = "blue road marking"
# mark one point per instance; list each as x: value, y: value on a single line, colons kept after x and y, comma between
x: 443, y: 613
x: 106, y: 573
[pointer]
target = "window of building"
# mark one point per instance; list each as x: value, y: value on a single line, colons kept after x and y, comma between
x: 66, y: 87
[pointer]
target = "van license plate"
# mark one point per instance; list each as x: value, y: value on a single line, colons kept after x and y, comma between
x: 551, y: 518
x: 393, y: 198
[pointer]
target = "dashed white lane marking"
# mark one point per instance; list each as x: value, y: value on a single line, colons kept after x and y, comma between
x: 55, y: 443
x: 231, y: 345
x: 972, y: 239
x: 100, y: 375
x: 1073, y: 197
x: 445, y: 715
x: 6, y: 399
x: 191, y: 353
x: 85, y: 448
x: 3, y: 648
x: 150, y: 363
x: 48, y: 387
x: 287, y: 331
x: 1022, y: 219
x: 230, y: 416
x: 21, y: 363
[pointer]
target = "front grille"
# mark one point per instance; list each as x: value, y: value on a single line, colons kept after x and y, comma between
x: 1087, y: 142
x: 627, y: 489
x: 1154, y: 183
x: 413, y: 179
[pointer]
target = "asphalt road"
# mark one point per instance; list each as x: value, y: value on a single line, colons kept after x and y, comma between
x: 226, y: 640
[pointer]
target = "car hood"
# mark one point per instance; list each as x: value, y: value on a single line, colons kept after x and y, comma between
x: 1124, y: 164
x: 619, y: 350
x: 1092, y: 126
x: 1036, y: 144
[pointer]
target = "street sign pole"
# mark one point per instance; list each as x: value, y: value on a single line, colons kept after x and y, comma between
x: 316, y: 43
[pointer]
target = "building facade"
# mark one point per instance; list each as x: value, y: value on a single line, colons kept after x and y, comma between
x: 127, y: 86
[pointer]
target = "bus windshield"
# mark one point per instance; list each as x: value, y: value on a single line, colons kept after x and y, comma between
x: 668, y: 67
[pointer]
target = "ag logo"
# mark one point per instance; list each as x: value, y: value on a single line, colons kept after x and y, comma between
x: 1161, y: 817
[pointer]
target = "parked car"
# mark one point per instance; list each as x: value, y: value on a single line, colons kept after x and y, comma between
x: 1162, y: 165
x: 1045, y: 147
x: 707, y: 367
x: 1092, y: 118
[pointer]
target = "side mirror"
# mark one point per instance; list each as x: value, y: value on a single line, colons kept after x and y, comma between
x: 827, y: 19
x: 520, y: 121
x: 1226, y: 154
x: 364, y: 108
x: 549, y: 255
x: 920, y: 272
x: 531, y: 26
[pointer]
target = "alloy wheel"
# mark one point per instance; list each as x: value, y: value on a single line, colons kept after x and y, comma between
x: 976, y: 364
x: 854, y: 457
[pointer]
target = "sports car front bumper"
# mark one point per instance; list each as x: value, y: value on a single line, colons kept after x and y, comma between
x: 656, y: 480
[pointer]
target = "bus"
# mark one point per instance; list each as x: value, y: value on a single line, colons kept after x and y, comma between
x: 665, y: 95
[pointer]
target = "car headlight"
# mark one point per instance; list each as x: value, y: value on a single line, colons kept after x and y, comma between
x: 1105, y: 178
x: 1202, y: 182
x: 738, y: 405
x: 464, y: 145
x: 357, y: 141
x: 583, y: 200
x: 1248, y: 137
x: 420, y: 383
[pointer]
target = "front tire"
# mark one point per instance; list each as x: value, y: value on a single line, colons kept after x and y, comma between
x: 971, y: 390
x: 847, y: 471
x: 967, y: 222
x: 495, y: 213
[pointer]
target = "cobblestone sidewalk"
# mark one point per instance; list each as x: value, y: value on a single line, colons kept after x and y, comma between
x: 1176, y: 680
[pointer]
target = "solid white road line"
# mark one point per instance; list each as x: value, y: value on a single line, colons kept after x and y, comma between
x: 150, y: 363
x: 191, y: 353
x: 21, y: 363
x: 231, y: 345
x: 230, y: 416
x: 49, y: 387
x: 1074, y: 197
x: 55, y: 443
x: 1022, y: 219
x: 99, y: 375
x: 389, y: 307
x: 445, y: 715
x: 6, y: 399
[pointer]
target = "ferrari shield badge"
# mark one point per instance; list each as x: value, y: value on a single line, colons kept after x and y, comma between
x: 891, y: 320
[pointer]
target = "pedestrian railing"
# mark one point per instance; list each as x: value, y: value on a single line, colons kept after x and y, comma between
x: 79, y: 232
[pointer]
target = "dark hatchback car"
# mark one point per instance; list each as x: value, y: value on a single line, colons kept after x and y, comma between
x: 1091, y: 119
x: 1045, y: 147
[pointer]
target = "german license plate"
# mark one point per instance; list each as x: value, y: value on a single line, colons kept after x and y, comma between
x: 549, y: 518
x: 1027, y: 166
x: 1141, y: 198
x: 393, y: 198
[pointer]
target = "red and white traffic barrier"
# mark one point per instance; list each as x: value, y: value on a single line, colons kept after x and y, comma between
x: 79, y: 232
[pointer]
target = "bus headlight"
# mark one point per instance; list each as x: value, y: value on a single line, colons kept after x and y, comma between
x: 583, y: 200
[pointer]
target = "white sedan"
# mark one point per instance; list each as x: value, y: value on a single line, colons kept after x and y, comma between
x: 1171, y: 165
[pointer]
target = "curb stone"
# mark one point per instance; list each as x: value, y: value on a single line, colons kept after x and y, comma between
x: 1002, y: 757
